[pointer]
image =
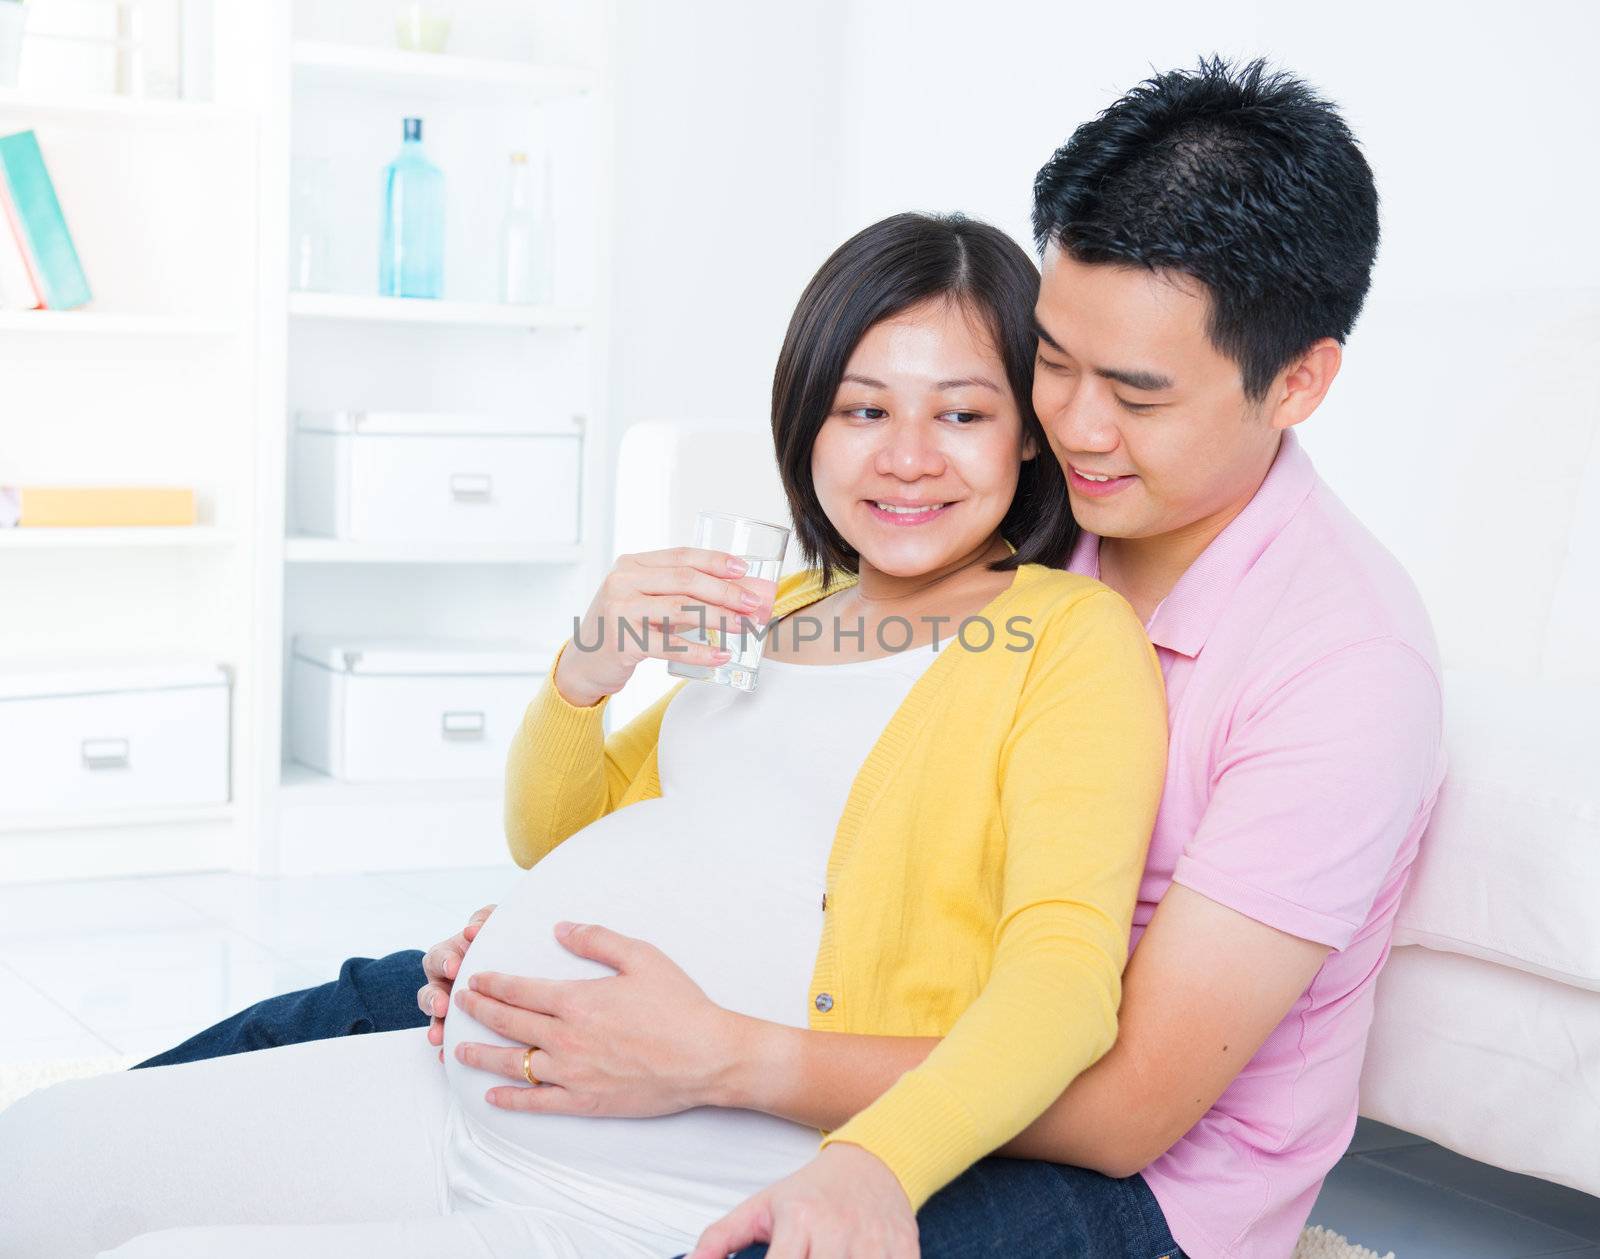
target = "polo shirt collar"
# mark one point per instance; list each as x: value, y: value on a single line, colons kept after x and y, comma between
x: 1184, y: 619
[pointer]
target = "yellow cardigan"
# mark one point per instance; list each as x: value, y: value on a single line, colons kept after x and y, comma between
x: 982, y: 878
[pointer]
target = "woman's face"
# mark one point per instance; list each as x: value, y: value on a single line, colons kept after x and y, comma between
x: 923, y: 416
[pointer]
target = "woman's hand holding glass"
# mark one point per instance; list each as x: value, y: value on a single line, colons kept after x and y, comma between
x: 657, y: 594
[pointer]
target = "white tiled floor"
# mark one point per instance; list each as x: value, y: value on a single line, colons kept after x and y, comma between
x: 136, y: 965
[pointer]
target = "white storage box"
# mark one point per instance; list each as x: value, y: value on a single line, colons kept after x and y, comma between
x: 81, y: 737
x: 398, y: 476
x: 383, y: 710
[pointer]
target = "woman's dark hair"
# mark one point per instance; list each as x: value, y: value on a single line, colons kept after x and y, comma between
x: 1244, y: 179
x: 876, y: 274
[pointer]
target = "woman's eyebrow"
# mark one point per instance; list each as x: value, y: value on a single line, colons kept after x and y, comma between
x: 965, y: 382
x: 982, y: 382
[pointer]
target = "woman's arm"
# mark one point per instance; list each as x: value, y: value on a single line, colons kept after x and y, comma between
x: 1080, y: 779
x: 1203, y: 991
x: 562, y: 772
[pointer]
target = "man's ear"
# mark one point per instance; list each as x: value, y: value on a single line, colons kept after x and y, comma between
x: 1305, y: 383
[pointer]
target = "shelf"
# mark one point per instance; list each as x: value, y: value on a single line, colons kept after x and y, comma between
x: 89, y: 538
x: 11, y: 823
x: 110, y: 323
x: 433, y: 74
x: 302, y: 785
x: 303, y: 550
x: 435, y: 312
x: 108, y: 107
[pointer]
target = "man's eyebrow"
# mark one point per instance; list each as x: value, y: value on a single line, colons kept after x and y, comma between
x: 1039, y: 331
x: 1132, y: 377
x: 1149, y: 382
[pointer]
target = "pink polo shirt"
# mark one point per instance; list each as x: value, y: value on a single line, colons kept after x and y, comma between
x: 1306, y: 753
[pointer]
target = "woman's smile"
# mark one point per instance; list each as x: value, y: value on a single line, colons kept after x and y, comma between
x: 902, y: 515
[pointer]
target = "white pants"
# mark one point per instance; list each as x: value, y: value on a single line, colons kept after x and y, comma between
x: 313, y: 1151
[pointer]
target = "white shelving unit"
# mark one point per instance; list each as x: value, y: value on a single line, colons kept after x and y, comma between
x: 110, y: 108
x: 441, y: 313
x: 120, y: 820
x: 337, y: 551
x: 346, y: 348
x: 190, y: 364
x: 98, y: 323
x: 54, y: 539
x: 436, y: 76
x: 153, y: 382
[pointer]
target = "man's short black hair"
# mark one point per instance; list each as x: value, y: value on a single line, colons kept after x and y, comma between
x: 878, y: 273
x: 1242, y: 178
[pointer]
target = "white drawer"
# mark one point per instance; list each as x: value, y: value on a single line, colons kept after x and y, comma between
x: 391, y: 711
x: 89, y: 741
x: 402, y: 477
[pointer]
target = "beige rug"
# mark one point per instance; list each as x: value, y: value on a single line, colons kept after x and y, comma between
x: 19, y: 1079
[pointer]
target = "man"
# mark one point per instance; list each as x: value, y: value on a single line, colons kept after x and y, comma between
x: 1207, y: 244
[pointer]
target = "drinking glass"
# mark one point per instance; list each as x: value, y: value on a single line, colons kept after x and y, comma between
x: 761, y: 546
x: 308, y: 224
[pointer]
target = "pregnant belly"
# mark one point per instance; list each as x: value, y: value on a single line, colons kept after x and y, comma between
x: 742, y: 921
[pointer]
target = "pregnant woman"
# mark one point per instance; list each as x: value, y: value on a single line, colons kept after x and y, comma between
x: 929, y: 819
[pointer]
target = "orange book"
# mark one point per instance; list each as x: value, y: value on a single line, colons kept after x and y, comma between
x: 112, y: 505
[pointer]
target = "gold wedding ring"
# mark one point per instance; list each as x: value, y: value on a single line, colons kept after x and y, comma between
x: 527, y: 1065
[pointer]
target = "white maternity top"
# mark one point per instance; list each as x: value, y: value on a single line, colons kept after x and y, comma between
x: 724, y: 872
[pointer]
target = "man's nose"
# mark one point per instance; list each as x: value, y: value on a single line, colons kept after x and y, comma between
x: 1080, y: 423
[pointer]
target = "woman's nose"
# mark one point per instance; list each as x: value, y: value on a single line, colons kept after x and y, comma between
x: 909, y: 451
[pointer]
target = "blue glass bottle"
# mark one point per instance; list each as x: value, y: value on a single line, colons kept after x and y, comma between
x: 412, y: 258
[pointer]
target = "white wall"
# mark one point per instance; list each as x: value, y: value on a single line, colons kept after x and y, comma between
x: 1464, y: 421
x: 727, y: 122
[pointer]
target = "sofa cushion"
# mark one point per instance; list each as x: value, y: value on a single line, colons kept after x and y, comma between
x: 1509, y: 869
x: 1488, y: 1062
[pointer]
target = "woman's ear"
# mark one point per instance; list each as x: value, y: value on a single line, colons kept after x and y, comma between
x: 1030, y: 448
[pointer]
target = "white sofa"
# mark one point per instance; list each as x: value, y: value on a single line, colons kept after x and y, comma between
x: 1465, y: 432
x: 1486, y: 1037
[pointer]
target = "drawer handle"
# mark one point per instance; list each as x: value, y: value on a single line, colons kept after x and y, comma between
x: 471, y: 487
x: 105, y: 753
x: 463, y: 725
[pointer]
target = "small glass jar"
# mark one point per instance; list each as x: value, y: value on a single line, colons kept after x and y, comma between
x: 423, y: 25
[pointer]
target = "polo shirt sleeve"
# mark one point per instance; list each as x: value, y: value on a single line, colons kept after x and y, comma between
x: 1315, y: 789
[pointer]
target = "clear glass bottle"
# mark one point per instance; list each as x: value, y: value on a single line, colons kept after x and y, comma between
x: 527, y: 269
x: 411, y: 261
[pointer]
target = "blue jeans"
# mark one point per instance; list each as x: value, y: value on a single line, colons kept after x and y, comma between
x: 1000, y: 1208
x: 1007, y: 1208
x: 370, y: 995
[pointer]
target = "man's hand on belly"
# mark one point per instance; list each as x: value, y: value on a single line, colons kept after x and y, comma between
x: 645, y: 1041
x: 442, y: 963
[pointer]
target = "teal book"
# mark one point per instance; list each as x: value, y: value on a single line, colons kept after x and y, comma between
x: 41, y: 229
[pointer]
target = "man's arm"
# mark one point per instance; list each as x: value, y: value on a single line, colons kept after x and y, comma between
x: 1204, y: 989
x: 1319, y: 785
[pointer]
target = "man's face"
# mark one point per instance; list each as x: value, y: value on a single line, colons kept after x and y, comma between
x: 1127, y: 384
